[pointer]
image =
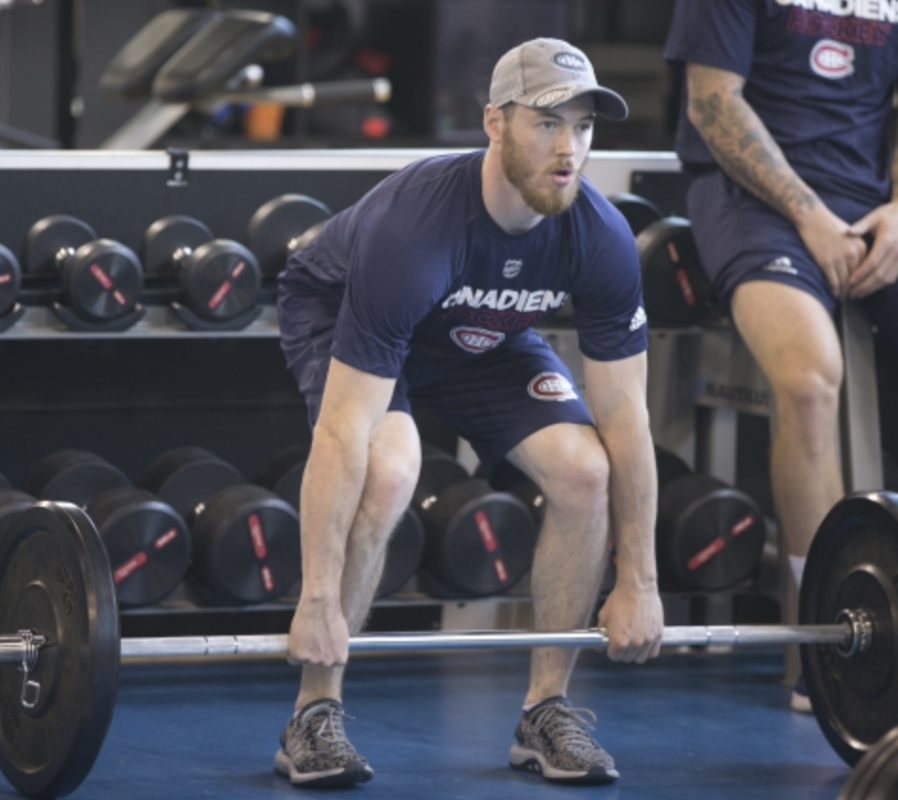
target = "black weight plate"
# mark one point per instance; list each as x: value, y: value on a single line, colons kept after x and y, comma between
x: 853, y: 563
x: 639, y: 212
x: 102, y: 280
x: 669, y: 466
x: 74, y: 476
x: 246, y: 545
x: 169, y: 240
x: 220, y: 280
x: 147, y: 541
x: 283, y: 473
x: 675, y: 288
x: 188, y: 476
x: 404, y: 554
x: 479, y: 542
x: 279, y: 228
x: 48, y: 237
x: 439, y: 471
x: 12, y: 503
x: 875, y: 777
x: 10, y: 280
x: 709, y: 536
x: 55, y: 581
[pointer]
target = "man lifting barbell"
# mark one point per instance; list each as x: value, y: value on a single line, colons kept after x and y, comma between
x: 427, y: 289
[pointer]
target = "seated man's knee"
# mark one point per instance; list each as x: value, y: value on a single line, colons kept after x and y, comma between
x: 810, y: 392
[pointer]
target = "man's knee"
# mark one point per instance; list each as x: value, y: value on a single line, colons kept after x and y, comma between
x: 577, y: 478
x: 809, y: 392
x: 390, y: 482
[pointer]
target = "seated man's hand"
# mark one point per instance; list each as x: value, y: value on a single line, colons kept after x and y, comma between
x: 837, y: 250
x: 880, y: 267
x: 318, y: 634
x: 635, y: 621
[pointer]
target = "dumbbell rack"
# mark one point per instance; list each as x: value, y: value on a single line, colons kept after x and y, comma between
x: 135, y: 393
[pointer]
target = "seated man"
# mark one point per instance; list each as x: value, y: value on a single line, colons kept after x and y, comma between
x: 786, y: 125
x: 427, y: 288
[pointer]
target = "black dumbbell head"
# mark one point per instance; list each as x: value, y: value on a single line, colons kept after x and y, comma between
x: 169, y: 240
x: 12, y: 503
x: 74, y: 476
x: 439, y: 471
x: 246, y: 545
x: 102, y: 280
x: 676, y: 290
x: 220, y: 280
x: 670, y: 466
x: 10, y: 280
x: 283, y: 473
x: 709, y: 536
x: 186, y: 477
x: 48, y: 238
x: 638, y: 211
x: 147, y: 541
x: 282, y: 226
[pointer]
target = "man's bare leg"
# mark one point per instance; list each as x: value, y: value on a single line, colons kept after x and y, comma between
x: 393, y: 467
x: 569, y: 464
x: 794, y: 340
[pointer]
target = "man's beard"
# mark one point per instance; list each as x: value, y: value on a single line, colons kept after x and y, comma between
x: 522, y: 175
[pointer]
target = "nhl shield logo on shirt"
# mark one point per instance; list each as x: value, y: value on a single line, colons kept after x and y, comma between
x: 512, y: 268
x: 831, y: 59
x: 551, y: 386
x: 476, y: 340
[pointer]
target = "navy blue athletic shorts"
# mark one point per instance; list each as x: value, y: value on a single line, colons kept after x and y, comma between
x: 494, y: 400
x: 740, y: 238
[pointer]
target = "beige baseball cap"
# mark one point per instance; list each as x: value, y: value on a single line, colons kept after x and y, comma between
x: 544, y: 73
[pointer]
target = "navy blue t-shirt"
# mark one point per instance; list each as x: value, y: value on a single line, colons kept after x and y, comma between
x: 820, y: 80
x: 422, y: 274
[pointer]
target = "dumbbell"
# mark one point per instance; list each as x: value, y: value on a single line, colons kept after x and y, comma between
x: 283, y: 475
x: 101, y: 279
x: 638, y: 211
x: 283, y: 226
x: 709, y: 536
x: 219, y: 278
x: 245, y: 537
x: 676, y: 291
x: 147, y: 540
x: 10, y: 282
x: 12, y: 503
x: 478, y: 542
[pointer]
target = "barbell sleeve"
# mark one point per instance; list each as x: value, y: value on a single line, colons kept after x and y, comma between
x: 306, y: 95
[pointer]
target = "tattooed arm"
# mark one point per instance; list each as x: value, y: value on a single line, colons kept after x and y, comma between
x: 745, y: 150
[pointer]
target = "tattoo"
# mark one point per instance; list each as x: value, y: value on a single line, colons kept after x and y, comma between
x: 745, y: 149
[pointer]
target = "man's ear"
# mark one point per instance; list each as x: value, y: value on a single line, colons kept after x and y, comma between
x: 493, y: 122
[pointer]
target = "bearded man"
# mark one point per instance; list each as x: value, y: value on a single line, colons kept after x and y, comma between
x: 428, y: 288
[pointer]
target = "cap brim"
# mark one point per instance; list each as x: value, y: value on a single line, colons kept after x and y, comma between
x: 610, y: 104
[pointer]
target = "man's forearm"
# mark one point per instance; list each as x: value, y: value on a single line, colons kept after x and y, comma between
x: 633, y: 499
x: 742, y: 145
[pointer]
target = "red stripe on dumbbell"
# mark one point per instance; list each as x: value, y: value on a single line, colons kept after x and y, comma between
x: 257, y: 533
x: 167, y: 538
x: 486, y: 531
x: 501, y: 572
x: 267, y: 579
x: 685, y: 287
x: 101, y: 277
x: 220, y: 294
x: 120, y: 298
x: 5, y: 278
x: 673, y: 252
x: 742, y: 525
x: 236, y: 272
x: 129, y: 567
x: 706, y: 553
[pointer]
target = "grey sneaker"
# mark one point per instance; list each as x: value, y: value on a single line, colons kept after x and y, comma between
x: 315, y: 751
x: 552, y: 739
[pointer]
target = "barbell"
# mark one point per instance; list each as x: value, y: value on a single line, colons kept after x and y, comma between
x: 59, y: 626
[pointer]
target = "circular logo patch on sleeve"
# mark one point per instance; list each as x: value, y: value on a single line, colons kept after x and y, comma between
x: 476, y: 340
x: 831, y: 59
x: 551, y: 386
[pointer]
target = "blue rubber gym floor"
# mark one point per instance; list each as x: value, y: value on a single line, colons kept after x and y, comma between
x: 438, y: 726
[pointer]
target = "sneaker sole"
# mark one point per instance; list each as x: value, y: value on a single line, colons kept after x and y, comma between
x: 350, y: 775
x: 534, y: 761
